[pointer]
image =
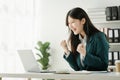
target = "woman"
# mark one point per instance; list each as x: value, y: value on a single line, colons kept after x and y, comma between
x: 88, y: 46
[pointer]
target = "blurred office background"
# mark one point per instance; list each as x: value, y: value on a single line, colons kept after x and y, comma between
x: 24, y: 22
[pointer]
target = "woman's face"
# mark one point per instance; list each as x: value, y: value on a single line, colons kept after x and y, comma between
x: 75, y: 25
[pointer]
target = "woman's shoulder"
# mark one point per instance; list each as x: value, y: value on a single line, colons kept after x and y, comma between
x: 99, y: 34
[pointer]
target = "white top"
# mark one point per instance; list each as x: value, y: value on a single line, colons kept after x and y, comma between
x: 83, y: 41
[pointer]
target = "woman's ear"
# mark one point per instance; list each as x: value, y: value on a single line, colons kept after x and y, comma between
x: 83, y: 21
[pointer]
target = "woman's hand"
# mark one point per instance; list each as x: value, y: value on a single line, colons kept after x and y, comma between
x: 64, y: 46
x: 81, y: 49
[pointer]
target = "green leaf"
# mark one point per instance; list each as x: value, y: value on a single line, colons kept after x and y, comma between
x: 39, y: 55
x: 44, y: 54
x: 46, y: 45
x: 39, y: 43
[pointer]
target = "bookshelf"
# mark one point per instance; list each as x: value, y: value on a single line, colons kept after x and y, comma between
x: 110, y: 24
x: 98, y: 17
x: 107, y: 24
x: 113, y: 46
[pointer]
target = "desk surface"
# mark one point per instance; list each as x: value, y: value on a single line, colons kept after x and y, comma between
x: 91, y: 76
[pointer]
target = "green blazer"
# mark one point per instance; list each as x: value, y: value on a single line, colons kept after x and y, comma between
x: 96, y: 58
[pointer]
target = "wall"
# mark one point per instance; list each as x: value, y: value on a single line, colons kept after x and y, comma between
x: 53, y: 28
x: 52, y: 24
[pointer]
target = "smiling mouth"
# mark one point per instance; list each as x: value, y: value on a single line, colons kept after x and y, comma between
x: 74, y: 30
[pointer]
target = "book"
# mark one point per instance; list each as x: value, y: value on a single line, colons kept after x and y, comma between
x: 111, y: 35
x: 116, y: 35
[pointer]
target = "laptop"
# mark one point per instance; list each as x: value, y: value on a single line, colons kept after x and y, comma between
x: 29, y: 62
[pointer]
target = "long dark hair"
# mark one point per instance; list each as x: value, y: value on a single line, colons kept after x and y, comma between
x: 89, y: 28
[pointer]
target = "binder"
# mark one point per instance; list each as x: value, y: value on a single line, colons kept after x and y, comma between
x: 110, y: 58
x: 119, y: 12
x: 115, y: 55
x: 118, y: 55
x: 113, y: 61
x: 110, y: 35
x: 119, y: 34
x: 108, y: 13
x: 114, y: 13
x: 116, y: 35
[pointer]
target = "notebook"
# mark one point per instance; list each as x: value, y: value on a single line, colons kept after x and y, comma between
x: 29, y: 62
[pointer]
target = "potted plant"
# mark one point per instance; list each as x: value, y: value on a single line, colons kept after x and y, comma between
x: 43, y: 54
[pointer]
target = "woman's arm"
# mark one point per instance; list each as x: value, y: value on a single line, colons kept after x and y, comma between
x: 72, y: 61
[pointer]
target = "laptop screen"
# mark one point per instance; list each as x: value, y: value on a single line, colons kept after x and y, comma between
x: 28, y: 60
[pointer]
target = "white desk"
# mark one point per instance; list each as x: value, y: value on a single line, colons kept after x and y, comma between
x: 91, y: 76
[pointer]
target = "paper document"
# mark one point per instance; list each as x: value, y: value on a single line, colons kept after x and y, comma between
x: 62, y: 72
x: 80, y: 72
